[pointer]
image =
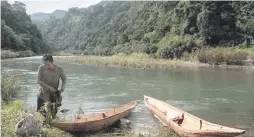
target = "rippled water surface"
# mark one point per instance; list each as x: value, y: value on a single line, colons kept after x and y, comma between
x: 218, y: 95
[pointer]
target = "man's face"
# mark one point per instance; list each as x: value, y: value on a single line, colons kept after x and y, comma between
x: 49, y: 64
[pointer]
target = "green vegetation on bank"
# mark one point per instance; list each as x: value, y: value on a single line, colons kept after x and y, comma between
x: 170, y: 29
x: 227, y: 56
x: 134, y: 60
x: 18, y: 33
x: 203, y: 57
x: 14, y: 111
x: 10, y: 87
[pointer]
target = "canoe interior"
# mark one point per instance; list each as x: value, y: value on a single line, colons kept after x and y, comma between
x: 96, y: 122
x: 192, y: 124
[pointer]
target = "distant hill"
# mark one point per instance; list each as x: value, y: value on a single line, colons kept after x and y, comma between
x: 45, y: 16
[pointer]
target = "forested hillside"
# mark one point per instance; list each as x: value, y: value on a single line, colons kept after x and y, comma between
x: 18, y: 33
x: 167, y: 29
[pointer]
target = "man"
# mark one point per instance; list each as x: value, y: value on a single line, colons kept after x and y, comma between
x: 48, y: 79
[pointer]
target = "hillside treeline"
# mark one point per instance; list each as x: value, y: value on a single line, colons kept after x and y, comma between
x: 164, y: 28
x: 18, y: 33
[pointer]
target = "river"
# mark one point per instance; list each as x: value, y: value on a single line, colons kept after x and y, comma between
x: 221, y: 96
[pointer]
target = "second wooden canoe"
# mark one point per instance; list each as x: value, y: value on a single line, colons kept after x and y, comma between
x: 191, y: 126
x: 95, y: 123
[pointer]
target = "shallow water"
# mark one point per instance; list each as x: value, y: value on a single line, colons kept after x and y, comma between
x: 218, y: 95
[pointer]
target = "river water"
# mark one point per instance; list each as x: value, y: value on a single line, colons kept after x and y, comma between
x: 221, y: 96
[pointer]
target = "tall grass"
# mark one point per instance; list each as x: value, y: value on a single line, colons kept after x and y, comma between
x: 11, y: 113
x: 10, y: 87
x: 203, y: 57
x: 228, y: 56
x: 134, y: 60
x: 14, y: 111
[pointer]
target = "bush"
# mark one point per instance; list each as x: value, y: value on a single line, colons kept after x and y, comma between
x: 228, y: 56
x: 144, y: 48
x: 14, y: 111
x: 11, y: 114
x: 10, y: 87
x: 174, y: 46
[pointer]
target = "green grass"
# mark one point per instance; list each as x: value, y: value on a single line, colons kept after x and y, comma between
x: 228, y: 56
x: 11, y: 113
x: 205, y: 57
x: 10, y: 87
x: 134, y: 60
x: 14, y: 111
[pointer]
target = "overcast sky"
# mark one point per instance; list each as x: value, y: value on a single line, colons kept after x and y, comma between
x: 33, y: 6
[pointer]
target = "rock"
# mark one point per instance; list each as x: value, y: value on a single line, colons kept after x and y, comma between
x: 125, y: 123
x: 64, y: 110
x: 28, y: 126
x: 249, y: 62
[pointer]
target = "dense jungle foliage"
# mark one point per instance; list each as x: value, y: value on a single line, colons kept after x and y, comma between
x: 168, y: 28
x: 18, y: 33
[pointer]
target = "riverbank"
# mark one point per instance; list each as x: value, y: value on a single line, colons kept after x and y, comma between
x: 5, y: 54
x: 141, y: 61
x: 215, y: 58
x: 15, y: 110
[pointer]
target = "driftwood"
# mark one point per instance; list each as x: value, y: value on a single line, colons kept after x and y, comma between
x: 28, y: 126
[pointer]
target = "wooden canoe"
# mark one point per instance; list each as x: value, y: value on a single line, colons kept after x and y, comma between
x: 191, y: 126
x: 95, y: 123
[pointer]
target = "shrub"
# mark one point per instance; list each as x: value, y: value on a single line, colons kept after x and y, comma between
x: 174, y: 46
x: 11, y: 114
x: 10, y: 87
x: 14, y: 111
x: 220, y: 55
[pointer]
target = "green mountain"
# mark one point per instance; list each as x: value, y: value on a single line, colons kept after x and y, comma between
x: 45, y: 16
x: 17, y: 31
x: 165, y: 28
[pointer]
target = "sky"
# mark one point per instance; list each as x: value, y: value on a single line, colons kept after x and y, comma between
x: 47, y: 6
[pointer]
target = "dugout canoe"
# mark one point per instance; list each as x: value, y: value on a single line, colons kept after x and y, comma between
x: 191, y: 126
x: 96, y: 122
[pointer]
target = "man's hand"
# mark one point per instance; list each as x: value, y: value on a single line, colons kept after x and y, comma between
x: 52, y: 89
x: 61, y: 91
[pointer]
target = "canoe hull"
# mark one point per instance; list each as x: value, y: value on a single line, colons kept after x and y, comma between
x: 93, y: 126
x: 159, y: 114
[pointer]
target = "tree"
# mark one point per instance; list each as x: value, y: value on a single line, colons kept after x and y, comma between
x: 18, y: 32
